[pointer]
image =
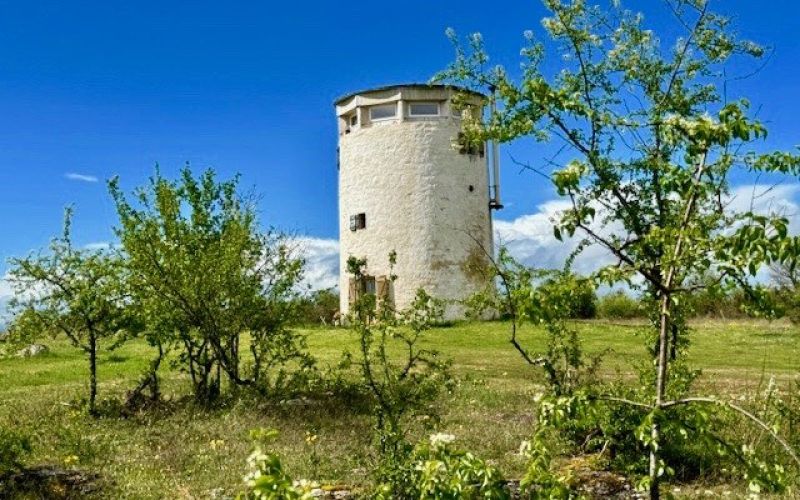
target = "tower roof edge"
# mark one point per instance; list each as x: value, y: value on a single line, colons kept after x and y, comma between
x: 422, y: 86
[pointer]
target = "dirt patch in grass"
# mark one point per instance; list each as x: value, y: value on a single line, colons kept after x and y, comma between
x: 51, y: 482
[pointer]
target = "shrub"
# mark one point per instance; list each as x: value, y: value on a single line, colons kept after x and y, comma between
x: 267, y: 480
x: 619, y: 305
x: 14, y: 446
x: 203, y: 275
x: 399, y: 388
x: 319, y: 306
x: 711, y: 300
x: 581, y: 298
x: 438, y: 470
x: 787, y: 302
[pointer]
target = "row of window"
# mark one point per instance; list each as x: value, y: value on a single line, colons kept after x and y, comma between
x: 389, y: 111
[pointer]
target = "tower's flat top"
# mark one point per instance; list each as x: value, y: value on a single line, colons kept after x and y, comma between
x: 421, y: 86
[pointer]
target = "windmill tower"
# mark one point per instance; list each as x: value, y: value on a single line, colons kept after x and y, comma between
x: 405, y: 185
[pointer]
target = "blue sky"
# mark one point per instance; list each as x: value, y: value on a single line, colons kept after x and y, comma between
x: 89, y: 90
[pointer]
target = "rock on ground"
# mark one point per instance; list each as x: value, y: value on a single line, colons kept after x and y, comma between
x: 33, y: 350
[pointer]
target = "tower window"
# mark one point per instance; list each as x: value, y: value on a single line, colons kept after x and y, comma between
x: 358, y: 221
x: 423, y: 109
x: 369, y: 285
x: 378, y: 286
x: 382, y: 112
x: 354, y: 120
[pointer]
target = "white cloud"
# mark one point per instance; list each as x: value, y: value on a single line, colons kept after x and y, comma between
x: 99, y: 245
x: 322, y: 261
x: 6, y: 293
x: 81, y: 177
x: 530, y: 240
x: 766, y: 199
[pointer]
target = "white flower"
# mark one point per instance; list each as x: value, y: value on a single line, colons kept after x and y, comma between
x: 440, y: 438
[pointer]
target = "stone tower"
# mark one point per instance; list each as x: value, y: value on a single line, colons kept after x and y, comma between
x: 406, y: 185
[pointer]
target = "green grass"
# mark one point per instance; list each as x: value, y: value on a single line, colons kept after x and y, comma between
x: 181, y: 451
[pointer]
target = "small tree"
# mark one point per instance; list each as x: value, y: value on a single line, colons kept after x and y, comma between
x: 652, y: 141
x: 402, y: 377
x: 548, y: 298
x: 786, y: 280
x: 74, y: 292
x: 203, y: 276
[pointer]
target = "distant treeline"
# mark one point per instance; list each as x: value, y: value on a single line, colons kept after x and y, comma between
x: 708, y: 301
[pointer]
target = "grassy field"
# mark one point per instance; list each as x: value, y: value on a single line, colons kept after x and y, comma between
x: 181, y: 451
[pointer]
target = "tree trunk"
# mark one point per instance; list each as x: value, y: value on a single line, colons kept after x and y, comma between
x: 155, y: 389
x: 661, y: 383
x: 673, y: 343
x: 92, y: 373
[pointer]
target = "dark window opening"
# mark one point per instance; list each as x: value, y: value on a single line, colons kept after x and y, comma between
x: 369, y: 285
x: 423, y: 109
x: 382, y: 112
x: 358, y: 221
x: 471, y: 188
x: 379, y: 287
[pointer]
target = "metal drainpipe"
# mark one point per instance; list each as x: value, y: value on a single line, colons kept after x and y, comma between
x: 494, y: 202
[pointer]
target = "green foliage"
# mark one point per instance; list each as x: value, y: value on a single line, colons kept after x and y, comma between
x: 267, y: 480
x: 14, y: 446
x: 786, y: 279
x: 317, y: 307
x: 404, y: 385
x: 582, y: 300
x: 78, y: 293
x: 541, y: 480
x: 653, y: 145
x: 436, y: 469
x: 781, y: 409
x: 619, y: 305
x: 547, y: 298
x: 202, y: 275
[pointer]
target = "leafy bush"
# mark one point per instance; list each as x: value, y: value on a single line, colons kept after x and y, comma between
x: 712, y: 303
x: 202, y: 275
x: 786, y: 289
x: 399, y: 387
x: 267, y: 480
x: 619, y: 305
x: 789, y: 301
x: 437, y: 470
x: 318, y: 307
x: 581, y: 302
x: 14, y: 446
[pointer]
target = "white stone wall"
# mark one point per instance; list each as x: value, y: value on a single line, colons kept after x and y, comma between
x: 414, y: 188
